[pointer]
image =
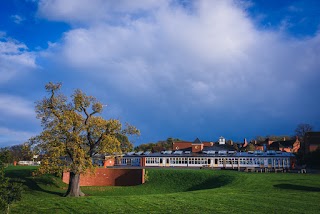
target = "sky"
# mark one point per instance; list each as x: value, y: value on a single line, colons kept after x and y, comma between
x: 173, y: 68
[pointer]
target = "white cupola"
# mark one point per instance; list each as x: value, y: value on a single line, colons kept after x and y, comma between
x: 222, y: 140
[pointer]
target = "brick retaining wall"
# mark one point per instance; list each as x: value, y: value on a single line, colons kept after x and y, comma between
x: 110, y: 177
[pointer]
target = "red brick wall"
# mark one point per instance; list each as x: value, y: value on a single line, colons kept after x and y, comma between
x: 181, y: 145
x: 110, y: 177
x: 197, y: 147
x: 205, y: 144
x: 143, y: 161
x: 184, y: 144
x: 108, y: 162
x: 296, y: 146
x: 313, y: 147
x: 286, y: 149
x: 258, y: 147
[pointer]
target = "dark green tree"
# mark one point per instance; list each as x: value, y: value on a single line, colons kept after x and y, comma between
x: 250, y: 147
x: 6, y: 155
x: 9, y: 191
x: 125, y: 144
x: 235, y: 146
x: 21, y: 152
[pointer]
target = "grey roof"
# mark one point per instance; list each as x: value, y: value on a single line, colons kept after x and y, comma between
x: 282, y: 143
x: 197, y: 141
x: 216, y: 154
x: 218, y: 147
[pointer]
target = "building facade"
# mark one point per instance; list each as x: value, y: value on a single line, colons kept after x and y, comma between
x: 208, y: 154
x: 312, y: 141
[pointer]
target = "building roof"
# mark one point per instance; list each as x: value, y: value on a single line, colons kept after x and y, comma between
x: 182, y: 142
x: 197, y: 141
x: 216, y: 154
x: 282, y: 144
x: 219, y: 147
x: 261, y: 143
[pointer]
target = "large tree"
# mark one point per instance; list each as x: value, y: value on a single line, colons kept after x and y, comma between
x: 302, y: 129
x: 73, y: 132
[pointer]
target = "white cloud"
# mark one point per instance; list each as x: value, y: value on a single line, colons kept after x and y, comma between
x: 17, y: 19
x: 14, y: 58
x: 17, y: 121
x: 10, y: 137
x: 90, y: 11
x: 210, y: 58
x: 16, y: 108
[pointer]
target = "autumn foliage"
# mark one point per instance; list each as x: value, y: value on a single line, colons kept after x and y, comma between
x: 73, y: 132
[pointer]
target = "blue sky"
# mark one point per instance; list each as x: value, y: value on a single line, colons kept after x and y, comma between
x: 182, y: 69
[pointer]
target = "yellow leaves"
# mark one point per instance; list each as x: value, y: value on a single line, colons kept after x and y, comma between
x: 73, y: 133
x: 97, y: 107
x: 98, y: 122
x: 113, y: 126
x: 109, y: 144
x: 81, y: 100
x: 53, y: 86
x: 131, y: 130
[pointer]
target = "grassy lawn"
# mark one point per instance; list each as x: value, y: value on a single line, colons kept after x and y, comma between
x: 177, y: 191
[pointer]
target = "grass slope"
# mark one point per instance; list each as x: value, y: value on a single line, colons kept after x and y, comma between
x: 177, y: 191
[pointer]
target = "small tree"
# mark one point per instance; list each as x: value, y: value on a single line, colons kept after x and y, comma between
x: 9, y: 191
x: 6, y: 155
x: 250, y: 147
x: 235, y: 146
x: 301, y: 131
x: 72, y: 134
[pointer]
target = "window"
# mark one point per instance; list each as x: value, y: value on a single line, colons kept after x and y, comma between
x: 236, y: 161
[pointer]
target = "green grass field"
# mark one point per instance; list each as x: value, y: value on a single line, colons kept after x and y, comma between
x: 177, y: 191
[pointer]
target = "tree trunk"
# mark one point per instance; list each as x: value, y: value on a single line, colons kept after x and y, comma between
x: 8, y: 209
x: 74, y: 186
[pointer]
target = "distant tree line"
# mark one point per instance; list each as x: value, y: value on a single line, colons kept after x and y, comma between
x: 158, y: 146
x: 16, y: 153
x: 237, y: 145
x: 25, y: 152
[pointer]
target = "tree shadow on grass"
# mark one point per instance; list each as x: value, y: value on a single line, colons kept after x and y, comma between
x: 24, y: 176
x: 214, y: 182
x: 297, y: 187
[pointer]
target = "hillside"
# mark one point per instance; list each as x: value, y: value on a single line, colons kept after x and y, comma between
x: 177, y: 191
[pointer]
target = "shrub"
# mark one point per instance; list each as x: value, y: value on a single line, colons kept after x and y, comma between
x: 9, y: 191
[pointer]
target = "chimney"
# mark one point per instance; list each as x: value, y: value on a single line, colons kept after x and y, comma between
x: 245, y: 143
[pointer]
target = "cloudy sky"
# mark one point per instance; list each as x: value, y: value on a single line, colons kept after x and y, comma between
x: 173, y: 68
